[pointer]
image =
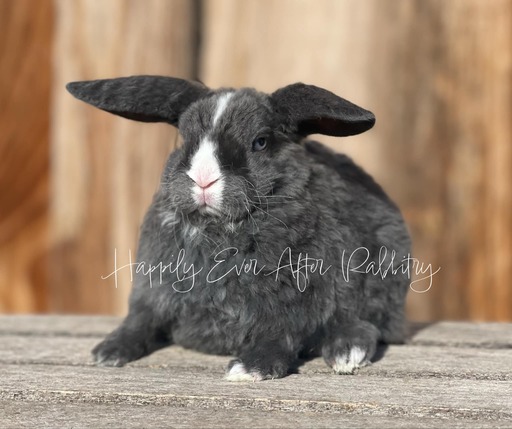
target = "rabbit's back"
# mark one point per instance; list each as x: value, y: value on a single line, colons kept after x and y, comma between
x: 371, y: 225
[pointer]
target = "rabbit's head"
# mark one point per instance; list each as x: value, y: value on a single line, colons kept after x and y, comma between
x: 239, y: 146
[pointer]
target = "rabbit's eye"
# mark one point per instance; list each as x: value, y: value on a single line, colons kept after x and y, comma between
x: 259, y: 144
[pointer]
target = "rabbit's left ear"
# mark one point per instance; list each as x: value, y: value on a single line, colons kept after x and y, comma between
x: 141, y: 98
x: 308, y: 109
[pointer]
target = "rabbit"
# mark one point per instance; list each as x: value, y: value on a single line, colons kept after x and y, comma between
x: 259, y: 243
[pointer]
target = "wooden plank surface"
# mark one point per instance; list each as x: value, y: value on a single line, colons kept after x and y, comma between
x: 26, y: 324
x: 376, y: 395
x: 25, y: 81
x: 395, y: 361
x: 132, y: 416
x: 446, y: 375
x: 106, y: 168
x: 438, y: 76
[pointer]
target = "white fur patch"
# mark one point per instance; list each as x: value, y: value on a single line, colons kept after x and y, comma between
x: 347, y: 363
x: 205, y: 170
x: 190, y: 232
x: 239, y: 373
x: 232, y: 226
x: 169, y: 219
x: 222, y: 103
x: 204, y: 166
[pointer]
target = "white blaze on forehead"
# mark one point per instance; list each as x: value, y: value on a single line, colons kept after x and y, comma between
x: 204, y: 165
x: 205, y: 168
x: 222, y: 103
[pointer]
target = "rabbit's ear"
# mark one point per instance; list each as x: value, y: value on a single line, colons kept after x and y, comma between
x: 141, y: 98
x: 308, y: 109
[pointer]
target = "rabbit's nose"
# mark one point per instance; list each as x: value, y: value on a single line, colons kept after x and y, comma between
x: 204, y: 178
x: 205, y: 183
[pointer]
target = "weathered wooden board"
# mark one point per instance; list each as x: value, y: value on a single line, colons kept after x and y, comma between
x: 76, y: 326
x: 396, y: 361
x: 298, y: 392
x: 449, y: 374
x: 491, y: 335
x: 88, y: 415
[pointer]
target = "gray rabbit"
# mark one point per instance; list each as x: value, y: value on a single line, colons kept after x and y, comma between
x: 259, y: 243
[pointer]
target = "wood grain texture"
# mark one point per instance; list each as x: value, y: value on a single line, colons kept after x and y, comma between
x: 450, y: 129
x: 393, y: 362
x: 438, y: 76
x: 25, y: 79
x: 90, y: 415
x: 49, y: 375
x: 105, y: 168
x: 196, y: 387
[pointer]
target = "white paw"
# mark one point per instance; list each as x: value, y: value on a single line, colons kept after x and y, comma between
x: 239, y: 373
x: 347, y: 363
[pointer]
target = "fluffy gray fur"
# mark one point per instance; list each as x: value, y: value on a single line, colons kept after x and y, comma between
x: 295, y: 194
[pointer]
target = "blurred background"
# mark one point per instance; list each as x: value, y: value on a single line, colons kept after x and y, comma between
x: 75, y: 182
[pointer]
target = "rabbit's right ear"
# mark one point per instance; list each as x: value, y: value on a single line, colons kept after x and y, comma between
x: 141, y: 98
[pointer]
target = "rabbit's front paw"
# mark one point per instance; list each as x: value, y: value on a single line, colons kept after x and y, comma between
x: 351, y: 348
x: 115, y: 352
x: 347, y: 359
x: 237, y: 371
x: 350, y: 361
x: 262, y: 369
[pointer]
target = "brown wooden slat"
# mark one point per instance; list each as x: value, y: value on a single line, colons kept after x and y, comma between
x: 438, y: 75
x: 444, y: 101
x: 107, y: 168
x: 25, y: 79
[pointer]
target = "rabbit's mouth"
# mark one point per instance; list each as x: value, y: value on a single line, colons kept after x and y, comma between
x: 207, y: 210
x: 204, y: 215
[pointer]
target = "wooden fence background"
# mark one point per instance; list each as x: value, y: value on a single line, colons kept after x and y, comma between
x: 75, y: 182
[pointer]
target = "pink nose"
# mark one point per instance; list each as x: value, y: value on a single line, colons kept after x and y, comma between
x: 205, y: 183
